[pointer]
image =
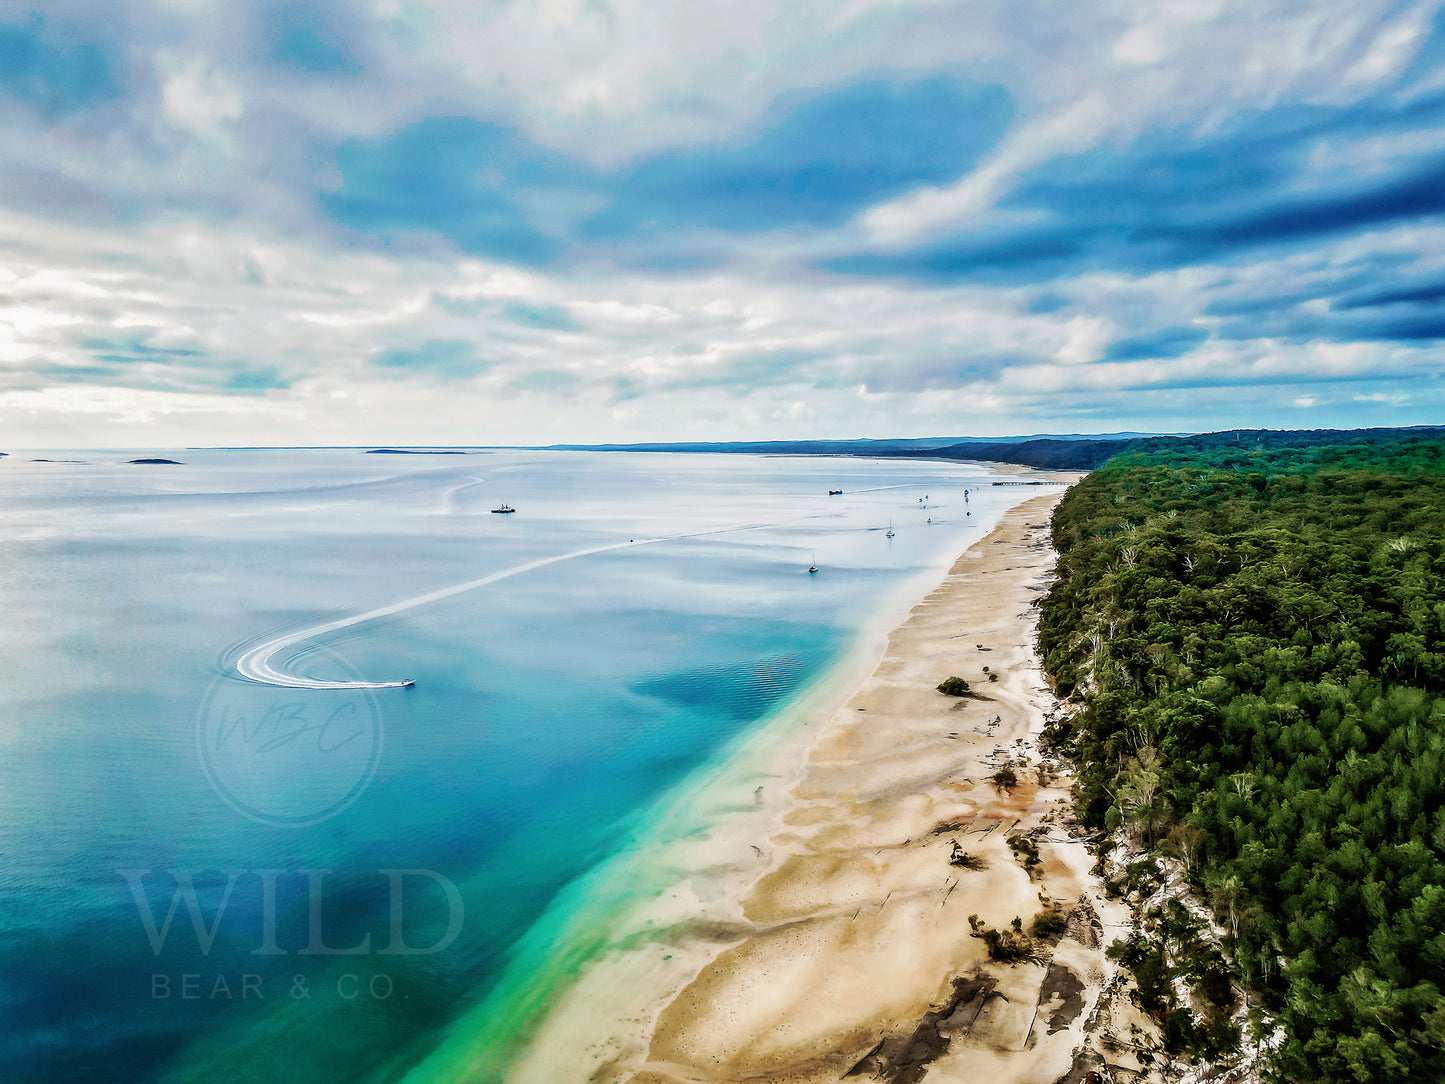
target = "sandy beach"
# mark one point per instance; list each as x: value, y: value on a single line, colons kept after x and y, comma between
x: 847, y: 946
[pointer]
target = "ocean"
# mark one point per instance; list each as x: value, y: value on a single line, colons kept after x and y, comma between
x: 205, y: 877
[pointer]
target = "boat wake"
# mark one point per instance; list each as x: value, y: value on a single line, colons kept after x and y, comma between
x: 455, y: 503
x: 256, y: 664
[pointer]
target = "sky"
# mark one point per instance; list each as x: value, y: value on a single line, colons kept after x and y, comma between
x: 226, y: 222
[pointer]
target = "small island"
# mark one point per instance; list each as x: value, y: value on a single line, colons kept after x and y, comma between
x: 414, y: 451
x: 171, y: 462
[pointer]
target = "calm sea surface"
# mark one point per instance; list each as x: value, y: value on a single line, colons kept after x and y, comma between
x: 203, y: 878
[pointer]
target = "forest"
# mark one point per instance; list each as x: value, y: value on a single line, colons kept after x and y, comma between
x: 1254, y: 638
x: 1086, y: 453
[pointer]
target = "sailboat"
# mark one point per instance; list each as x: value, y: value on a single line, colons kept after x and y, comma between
x: 506, y: 509
x: 813, y: 568
x: 890, y: 530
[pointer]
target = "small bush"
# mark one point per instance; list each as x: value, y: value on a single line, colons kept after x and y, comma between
x: 953, y: 686
x: 1007, y: 946
x: 1151, y: 977
x: 1025, y: 850
x: 1144, y: 876
x: 1128, y: 952
x: 1221, y: 1037
x: 1180, y: 1031
x: 1005, y: 779
x: 966, y: 860
x: 1049, y: 922
x: 1216, y: 987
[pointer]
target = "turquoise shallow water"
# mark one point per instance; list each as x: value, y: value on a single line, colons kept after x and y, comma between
x: 552, y: 711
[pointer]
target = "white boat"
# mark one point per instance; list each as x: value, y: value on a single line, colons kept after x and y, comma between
x: 506, y: 509
x: 890, y: 530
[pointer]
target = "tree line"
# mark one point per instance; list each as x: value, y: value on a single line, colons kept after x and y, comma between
x: 1256, y: 638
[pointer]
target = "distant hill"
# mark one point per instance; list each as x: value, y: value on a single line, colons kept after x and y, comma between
x: 1048, y: 453
x: 1086, y: 453
x: 880, y: 446
x: 1051, y: 452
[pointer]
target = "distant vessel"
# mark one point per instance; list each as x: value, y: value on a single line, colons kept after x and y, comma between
x: 504, y: 510
x: 834, y: 492
x: 890, y: 530
x: 813, y: 568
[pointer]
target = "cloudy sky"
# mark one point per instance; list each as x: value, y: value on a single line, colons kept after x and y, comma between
x: 483, y: 221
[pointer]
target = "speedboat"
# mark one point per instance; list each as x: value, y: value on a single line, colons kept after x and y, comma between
x: 506, y: 509
x: 835, y: 492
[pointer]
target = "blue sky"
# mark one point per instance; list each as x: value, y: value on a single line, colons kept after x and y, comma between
x: 400, y: 221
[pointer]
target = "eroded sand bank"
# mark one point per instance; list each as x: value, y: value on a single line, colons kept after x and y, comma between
x: 845, y: 948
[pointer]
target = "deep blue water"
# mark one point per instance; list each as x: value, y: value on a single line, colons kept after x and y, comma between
x: 551, y: 710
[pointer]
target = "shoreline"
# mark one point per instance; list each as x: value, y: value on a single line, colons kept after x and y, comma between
x: 843, y: 922
x: 689, y: 861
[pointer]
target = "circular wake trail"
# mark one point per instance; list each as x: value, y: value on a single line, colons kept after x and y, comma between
x: 255, y: 665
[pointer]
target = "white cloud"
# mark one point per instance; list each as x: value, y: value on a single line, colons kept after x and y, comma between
x: 197, y: 98
x: 166, y: 256
x: 1390, y: 47
x: 910, y: 218
x: 721, y: 355
x: 134, y: 406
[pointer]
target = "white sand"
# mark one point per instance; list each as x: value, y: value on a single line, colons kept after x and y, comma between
x: 836, y: 936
